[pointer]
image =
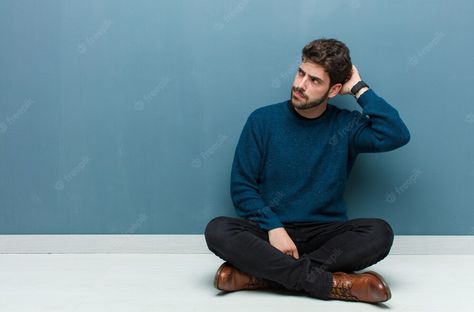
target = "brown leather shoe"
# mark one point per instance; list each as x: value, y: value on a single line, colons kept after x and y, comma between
x: 229, y: 278
x: 366, y: 287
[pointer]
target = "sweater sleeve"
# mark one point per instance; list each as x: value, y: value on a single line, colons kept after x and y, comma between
x: 379, y: 128
x: 245, y: 177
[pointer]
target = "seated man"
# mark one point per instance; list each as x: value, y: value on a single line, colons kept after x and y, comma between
x: 287, y: 183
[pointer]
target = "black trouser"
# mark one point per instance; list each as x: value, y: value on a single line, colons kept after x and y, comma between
x: 323, y: 247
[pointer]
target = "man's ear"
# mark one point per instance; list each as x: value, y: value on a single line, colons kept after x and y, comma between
x: 334, y: 90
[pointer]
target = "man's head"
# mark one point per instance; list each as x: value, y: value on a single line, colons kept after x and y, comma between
x: 325, y: 66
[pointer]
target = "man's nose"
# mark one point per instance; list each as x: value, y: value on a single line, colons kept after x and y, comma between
x: 301, y: 84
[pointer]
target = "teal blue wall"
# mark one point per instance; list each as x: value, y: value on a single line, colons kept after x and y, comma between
x: 123, y: 116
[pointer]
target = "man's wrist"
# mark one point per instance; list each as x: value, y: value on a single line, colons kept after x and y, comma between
x: 360, y: 92
x: 358, y: 87
x: 277, y: 229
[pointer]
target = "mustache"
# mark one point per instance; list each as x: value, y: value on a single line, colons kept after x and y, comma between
x: 299, y: 91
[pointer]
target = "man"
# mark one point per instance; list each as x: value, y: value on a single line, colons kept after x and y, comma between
x: 287, y: 183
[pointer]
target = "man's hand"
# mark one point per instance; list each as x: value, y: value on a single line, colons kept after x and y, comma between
x: 280, y: 239
x: 355, y: 78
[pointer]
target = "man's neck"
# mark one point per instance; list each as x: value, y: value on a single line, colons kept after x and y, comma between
x: 314, y: 112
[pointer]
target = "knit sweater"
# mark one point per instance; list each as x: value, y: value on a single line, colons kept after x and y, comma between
x: 289, y: 168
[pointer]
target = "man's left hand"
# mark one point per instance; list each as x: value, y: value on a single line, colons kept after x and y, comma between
x: 355, y: 78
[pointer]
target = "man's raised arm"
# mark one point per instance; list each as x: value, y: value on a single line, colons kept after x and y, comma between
x: 379, y: 128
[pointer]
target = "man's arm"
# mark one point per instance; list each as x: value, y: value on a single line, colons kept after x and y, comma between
x: 244, y: 188
x: 382, y: 131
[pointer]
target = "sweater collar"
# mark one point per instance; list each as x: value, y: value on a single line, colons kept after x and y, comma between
x: 297, y: 115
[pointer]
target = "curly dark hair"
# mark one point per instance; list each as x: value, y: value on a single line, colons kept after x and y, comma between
x: 333, y: 56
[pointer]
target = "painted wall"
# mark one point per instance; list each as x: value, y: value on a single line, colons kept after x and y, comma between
x: 123, y: 116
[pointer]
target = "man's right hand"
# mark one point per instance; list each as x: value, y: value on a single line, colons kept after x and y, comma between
x: 280, y: 239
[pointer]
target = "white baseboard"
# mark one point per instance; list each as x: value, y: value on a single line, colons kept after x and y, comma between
x: 195, y: 244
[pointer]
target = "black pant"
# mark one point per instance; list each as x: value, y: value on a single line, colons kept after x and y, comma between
x: 323, y: 247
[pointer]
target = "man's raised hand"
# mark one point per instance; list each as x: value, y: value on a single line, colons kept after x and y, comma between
x: 355, y: 78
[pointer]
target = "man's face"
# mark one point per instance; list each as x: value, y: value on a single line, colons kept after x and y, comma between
x: 310, y: 87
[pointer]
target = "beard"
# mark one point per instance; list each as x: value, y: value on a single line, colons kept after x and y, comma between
x: 306, y: 103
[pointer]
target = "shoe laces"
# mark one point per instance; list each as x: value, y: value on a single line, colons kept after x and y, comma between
x: 343, y: 290
x: 254, y: 282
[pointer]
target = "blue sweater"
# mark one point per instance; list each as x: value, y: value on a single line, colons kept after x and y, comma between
x: 288, y: 168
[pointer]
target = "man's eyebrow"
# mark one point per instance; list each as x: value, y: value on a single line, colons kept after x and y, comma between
x: 313, y: 77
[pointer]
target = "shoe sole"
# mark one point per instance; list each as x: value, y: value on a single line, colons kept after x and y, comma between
x: 387, y: 288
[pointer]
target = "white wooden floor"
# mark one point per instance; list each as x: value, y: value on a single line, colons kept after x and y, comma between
x: 180, y: 282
